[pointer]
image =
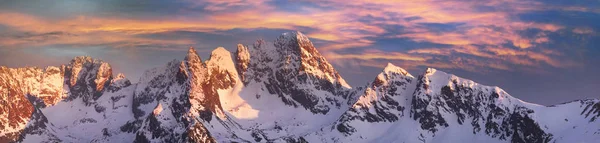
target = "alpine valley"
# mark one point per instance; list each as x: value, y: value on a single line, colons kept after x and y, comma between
x: 280, y: 91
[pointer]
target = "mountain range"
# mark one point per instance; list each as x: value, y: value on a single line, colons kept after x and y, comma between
x: 280, y: 91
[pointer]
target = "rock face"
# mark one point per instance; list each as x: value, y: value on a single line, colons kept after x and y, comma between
x: 87, y: 78
x: 280, y: 91
x: 294, y: 70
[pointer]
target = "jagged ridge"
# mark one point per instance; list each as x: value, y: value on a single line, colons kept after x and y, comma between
x: 272, y: 92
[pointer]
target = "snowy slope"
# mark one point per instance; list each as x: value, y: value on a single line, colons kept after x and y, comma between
x: 280, y: 91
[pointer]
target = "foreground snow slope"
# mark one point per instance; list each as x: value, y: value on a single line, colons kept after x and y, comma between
x: 280, y: 91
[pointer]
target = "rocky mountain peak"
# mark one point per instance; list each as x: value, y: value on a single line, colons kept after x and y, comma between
x: 391, y: 68
x: 218, y: 56
x: 295, y: 38
x: 193, y: 67
x: 76, y: 66
x: 242, y: 58
x: 221, y: 69
x: 87, y: 78
x: 192, y: 56
x: 390, y: 73
x: 202, y: 79
x: 297, y: 51
x: 430, y: 71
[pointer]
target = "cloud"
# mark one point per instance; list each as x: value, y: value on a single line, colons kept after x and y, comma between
x: 375, y: 54
x: 474, y: 35
x: 581, y: 30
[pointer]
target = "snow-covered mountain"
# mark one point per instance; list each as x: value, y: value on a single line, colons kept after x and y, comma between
x: 280, y: 91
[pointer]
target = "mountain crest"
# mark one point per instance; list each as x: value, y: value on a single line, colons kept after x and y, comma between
x: 87, y: 78
x: 83, y: 63
x: 242, y: 58
x: 295, y: 38
x: 296, y: 47
x: 193, y: 68
x: 221, y: 69
x: 220, y: 52
x: 391, y: 72
x: 391, y: 68
x: 192, y: 56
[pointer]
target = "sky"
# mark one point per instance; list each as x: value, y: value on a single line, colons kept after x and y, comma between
x: 541, y: 51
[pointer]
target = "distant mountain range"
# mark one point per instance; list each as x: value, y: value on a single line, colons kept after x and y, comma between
x: 281, y: 91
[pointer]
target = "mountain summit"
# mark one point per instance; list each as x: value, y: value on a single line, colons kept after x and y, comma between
x: 279, y: 91
x: 296, y: 47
